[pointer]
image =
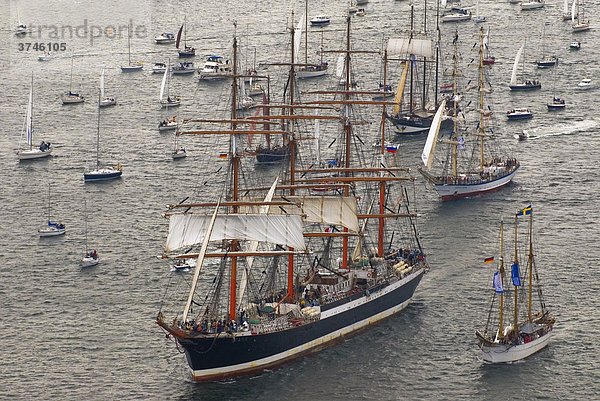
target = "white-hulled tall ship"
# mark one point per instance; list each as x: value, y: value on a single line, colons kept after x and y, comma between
x: 282, y: 280
x: 507, y: 338
x: 464, y: 172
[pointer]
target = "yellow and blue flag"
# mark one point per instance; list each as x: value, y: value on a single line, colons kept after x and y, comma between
x: 525, y: 211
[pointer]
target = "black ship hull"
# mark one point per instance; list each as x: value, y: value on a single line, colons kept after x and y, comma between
x: 225, y: 356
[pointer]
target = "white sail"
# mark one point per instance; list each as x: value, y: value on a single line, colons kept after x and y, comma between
x: 339, y: 71
x: 164, y: 83
x: 566, y: 7
x: 298, y: 37
x: 444, y: 2
x: 427, y: 155
x: 513, y: 77
x: 331, y: 210
x: 253, y: 246
x: 573, y: 10
x: 407, y: 46
x: 102, y: 84
x: 30, y: 117
x: 186, y: 230
x: 199, y: 262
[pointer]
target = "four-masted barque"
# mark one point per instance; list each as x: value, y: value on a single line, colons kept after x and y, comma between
x: 287, y: 269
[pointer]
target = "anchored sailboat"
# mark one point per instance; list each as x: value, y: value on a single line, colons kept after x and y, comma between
x: 71, y: 97
x: 91, y: 258
x: 32, y: 152
x: 308, y: 70
x: 287, y: 281
x: 53, y: 228
x: 131, y: 67
x: 509, y: 340
x: 105, y: 101
x: 102, y: 172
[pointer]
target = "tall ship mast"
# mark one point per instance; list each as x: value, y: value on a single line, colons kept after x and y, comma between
x: 287, y: 269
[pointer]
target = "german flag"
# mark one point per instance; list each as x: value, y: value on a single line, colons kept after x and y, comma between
x: 223, y: 156
x: 488, y: 260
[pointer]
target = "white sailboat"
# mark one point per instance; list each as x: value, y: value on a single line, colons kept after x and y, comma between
x: 578, y: 18
x: 71, y: 97
x: 32, y: 152
x: 52, y: 228
x: 178, y: 150
x: 530, y: 330
x: 105, y: 101
x: 170, y: 101
x: 546, y: 61
x: 91, y: 258
x: 526, y: 84
x: 102, y: 172
x: 308, y: 70
x: 131, y: 67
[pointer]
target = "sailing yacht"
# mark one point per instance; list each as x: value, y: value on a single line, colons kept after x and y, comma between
x: 131, y: 67
x: 526, y: 84
x: 507, y: 338
x: 52, y: 228
x: 91, y: 258
x: 286, y: 282
x: 309, y: 70
x: 105, y: 101
x: 71, y: 97
x: 187, y: 51
x: 32, y: 152
x: 532, y: 4
x: 463, y: 172
x: 102, y: 172
x: 578, y: 17
x: 546, y: 61
x: 170, y: 101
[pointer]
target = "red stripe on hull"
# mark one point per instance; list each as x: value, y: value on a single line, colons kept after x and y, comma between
x: 468, y: 194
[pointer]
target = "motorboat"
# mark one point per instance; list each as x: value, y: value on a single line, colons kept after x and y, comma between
x: 179, y: 153
x: 457, y: 15
x: 164, y: 38
x: 185, y: 67
x: 159, y: 68
x: 586, y: 84
x: 320, y: 20
x: 215, y: 67
x: 45, y: 57
x: 532, y: 4
x: 361, y: 12
x: 575, y: 45
x: 519, y: 114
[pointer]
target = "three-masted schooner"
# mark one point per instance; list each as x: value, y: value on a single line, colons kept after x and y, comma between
x: 507, y: 338
x: 287, y: 282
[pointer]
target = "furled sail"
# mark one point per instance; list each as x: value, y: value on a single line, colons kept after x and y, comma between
x: 102, y: 84
x: 427, y: 155
x: 400, y: 89
x: 30, y: 117
x: 513, y: 77
x: 189, y: 229
x: 408, y: 46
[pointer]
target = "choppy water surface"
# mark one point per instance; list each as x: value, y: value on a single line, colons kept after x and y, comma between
x: 72, y: 333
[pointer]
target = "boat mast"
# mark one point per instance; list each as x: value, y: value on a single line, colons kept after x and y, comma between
x: 455, y: 112
x: 348, y: 133
x: 98, y: 135
x: 424, y: 58
x: 412, y: 10
x: 292, y: 146
x: 85, y: 223
x: 306, y: 33
x: 516, y: 261
x: 30, y: 112
x: 382, y: 153
x: 481, y: 113
x: 128, y: 49
x: 235, y: 160
x: 501, y: 324
x: 530, y: 261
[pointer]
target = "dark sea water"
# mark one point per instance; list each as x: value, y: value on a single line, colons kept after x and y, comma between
x: 68, y: 333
